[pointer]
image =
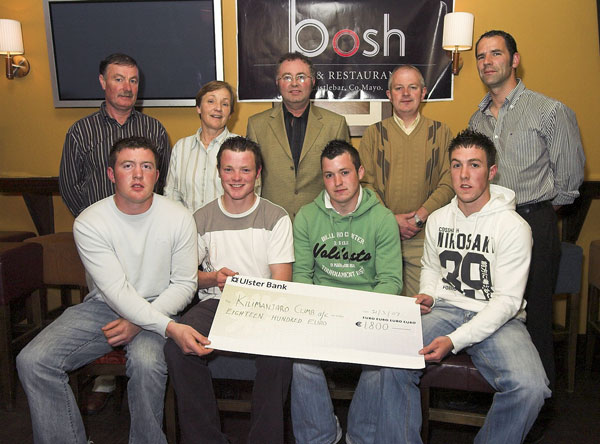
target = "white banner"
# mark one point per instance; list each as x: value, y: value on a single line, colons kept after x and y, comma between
x: 269, y: 317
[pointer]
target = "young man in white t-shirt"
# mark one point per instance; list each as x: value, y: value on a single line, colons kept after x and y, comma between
x: 238, y: 232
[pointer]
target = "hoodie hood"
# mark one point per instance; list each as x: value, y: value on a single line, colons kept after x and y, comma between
x: 501, y: 199
x: 368, y: 201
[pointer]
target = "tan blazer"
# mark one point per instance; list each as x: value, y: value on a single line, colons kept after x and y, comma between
x: 280, y: 184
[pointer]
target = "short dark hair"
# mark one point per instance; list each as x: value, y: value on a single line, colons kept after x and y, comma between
x: 338, y: 147
x: 290, y: 57
x: 214, y: 85
x: 240, y: 144
x: 469, y: 138
x: 509, y: 40
x: 134, y: 143
x: 116, y: 59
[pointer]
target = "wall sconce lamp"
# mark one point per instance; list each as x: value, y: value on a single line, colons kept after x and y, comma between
x: 11, y: 44
x: 458, y: 36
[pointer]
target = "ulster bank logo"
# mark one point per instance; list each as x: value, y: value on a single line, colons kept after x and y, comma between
x: 311, y: 38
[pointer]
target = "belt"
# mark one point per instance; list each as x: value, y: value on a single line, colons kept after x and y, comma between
x: 531, y: 207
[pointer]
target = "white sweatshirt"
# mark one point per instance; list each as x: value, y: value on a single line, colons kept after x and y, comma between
x: 478, y: 263
x: 144, y: 266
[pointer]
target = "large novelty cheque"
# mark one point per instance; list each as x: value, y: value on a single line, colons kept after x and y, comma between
x: 269, y: 317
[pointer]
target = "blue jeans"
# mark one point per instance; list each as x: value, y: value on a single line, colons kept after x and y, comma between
x: 313, y: 419
x: 507, y: 360
x: 70, y: 342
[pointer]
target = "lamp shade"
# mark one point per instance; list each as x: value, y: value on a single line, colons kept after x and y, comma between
x: 458, y: 31
x: 11, y: 39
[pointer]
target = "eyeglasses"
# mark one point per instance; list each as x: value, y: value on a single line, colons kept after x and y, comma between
x: 300, y: 78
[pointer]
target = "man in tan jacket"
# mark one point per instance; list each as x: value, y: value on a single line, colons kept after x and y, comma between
x: 292, y: 136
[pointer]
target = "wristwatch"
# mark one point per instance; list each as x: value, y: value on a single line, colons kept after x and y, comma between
x: 418, y: 221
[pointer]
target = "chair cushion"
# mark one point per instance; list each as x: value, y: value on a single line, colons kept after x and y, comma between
x: 62, y: 265
x: 222, y: 365
x: 113, y: 357
x: 20, y: 270
x: 455, y: 372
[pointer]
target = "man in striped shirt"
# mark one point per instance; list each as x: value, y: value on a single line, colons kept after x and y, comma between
x: 83, y: 180
x: 540, y: 158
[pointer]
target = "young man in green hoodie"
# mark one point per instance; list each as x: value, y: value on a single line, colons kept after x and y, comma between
x: 344, y: 238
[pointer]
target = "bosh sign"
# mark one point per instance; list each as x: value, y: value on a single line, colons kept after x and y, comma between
x: 354, y: 45
x: 368, y: 37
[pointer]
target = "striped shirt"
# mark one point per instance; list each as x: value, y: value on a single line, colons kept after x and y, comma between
x: 82, y: 178
x: 539, y: 151
x: 193, y: 178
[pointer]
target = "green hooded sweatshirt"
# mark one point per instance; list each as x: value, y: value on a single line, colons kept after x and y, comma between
x: 360, y: 250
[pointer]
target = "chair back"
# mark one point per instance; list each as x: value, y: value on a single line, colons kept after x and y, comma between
x: 594, y: 264
x: 569, y: 269
x: 62, y: 265
x: 20, y: 270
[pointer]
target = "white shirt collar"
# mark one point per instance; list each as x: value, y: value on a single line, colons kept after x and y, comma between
x: 327, y: 201
x: 407, y: 128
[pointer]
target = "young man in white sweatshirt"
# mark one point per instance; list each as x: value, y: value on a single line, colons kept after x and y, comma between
x: 475, y: 266
x: 140, y: 254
